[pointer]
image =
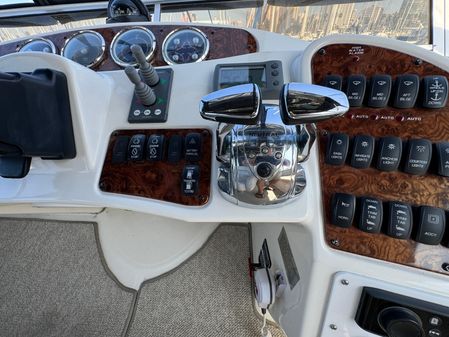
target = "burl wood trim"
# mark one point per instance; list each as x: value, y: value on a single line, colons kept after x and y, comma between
x: 157, y: 180
x: 224, y: 42
x: 431, y: 190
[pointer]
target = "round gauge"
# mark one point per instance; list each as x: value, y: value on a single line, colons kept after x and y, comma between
x: 185, y: 45
x: 85, y: 47
x: 41, y: 44
x: 122, y: 42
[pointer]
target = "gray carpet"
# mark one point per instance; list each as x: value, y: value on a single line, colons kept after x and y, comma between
x: 209, y: 295
x: 53, y: 283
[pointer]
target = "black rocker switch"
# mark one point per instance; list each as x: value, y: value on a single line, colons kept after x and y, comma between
x: 406, y: 91
x: 379, y: 92
x: 190, y: 179
x: 371, y: 212
x: 155, y: 147
x: 363, y: 150
x: 192, y: 147
x: 442, y: 150
x: 174, y: 152
x: 136, y: 147
x: 400, y: 220
x: 389, y: 154
x: 432, y: 223
x: 434, y: 92
x: 337, y: 149
x: 355, y: 89
x: 120, y: 150
x: 343, y: 209
x: 333, y: 81
x: 417, y: 157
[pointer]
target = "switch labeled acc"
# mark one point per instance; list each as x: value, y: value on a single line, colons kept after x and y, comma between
x: 333, y: 81
x: 136, y: 147
x: 434, y: 92
x: 400, y: 219
x: 371, y: 213
x: 390, y: 151
x: 380, y: 89
x: 190, y: 179
x: 337, y: 149
x: 432, y: 223
x: 417, y: 158
x: 355, y: 90
x: 406, y: 91
x: 363, y: 150
x: 343, y: 209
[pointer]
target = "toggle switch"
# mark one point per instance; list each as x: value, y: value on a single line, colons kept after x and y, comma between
x: 431, y: 226
x: 434, y: 92
x: 363, y: 150
x: 355, y: 90
x: 417, y: 157
x: 400, y: 220
x: 406, y: 91
x: 380, y: 89
x: 343, y: 209
x: 371, y: 214
x: 390, y: 152
x: 337, y: 149
x: 136, y: 147
x: 333, y: 81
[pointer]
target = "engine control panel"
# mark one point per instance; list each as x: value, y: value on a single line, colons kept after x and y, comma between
x: 385, y: 164
x: 172, y: 165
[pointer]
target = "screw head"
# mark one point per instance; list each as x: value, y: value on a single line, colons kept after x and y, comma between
x: 333, y: 327
x: 345, y: 282
x: 335, y: 242
x: 322, y: 51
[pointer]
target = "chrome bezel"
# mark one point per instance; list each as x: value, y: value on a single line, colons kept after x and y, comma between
x: 120, y: 33
x: 103, y: 46
x: 177, y: 30
x: 50, y: 43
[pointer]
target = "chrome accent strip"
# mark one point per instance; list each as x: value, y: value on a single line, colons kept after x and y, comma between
x: 120, y: 33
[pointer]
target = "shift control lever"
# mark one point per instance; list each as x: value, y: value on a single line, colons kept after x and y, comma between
x: 143, y: 91
x: 147, y: 71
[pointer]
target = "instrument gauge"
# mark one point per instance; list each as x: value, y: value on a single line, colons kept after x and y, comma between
x: 185, y: 45
x: 122, y: 42
x: 40, y: 44
x: 85, y: 47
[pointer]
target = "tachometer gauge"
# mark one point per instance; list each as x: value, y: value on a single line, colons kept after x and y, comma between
x: 85, y: 47
x: 185, y: 45
x: 39, y: 44
x: 122, y: 42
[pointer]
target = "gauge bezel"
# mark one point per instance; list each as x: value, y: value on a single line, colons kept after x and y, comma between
x: 50, y: 43
x: 174, y: 32
x: 120, y: 33
x: 103, y: 46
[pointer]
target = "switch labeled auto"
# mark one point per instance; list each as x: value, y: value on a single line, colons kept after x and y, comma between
x: 355, y: 89
x: 417, y: 158
x: 190, y: 179
x: 400, y: 219
x: 333, y: 81
x: 343, y: 209
x: 434, y: 92
x: 155, y: 147
x: 390, y: 152
x: 136, y: 147
x: 371, y: 213
x: 406, y: 91
x: 337, y: 149
x: 363, y: 150
x: 431, y: 226
x: 380, y: 89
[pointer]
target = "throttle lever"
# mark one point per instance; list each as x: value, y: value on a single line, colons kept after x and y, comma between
x: 147, y: 71
x: 143, y: 91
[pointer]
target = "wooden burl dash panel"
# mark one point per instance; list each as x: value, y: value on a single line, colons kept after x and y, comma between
x: 158, y: 180
x: 224, y: 42
x: 431, y: 190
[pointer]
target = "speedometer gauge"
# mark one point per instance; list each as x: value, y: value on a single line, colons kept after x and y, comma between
x: 39, y: 44
x: 185, y: 45
x: 85, y: 47
x: 122, y: 42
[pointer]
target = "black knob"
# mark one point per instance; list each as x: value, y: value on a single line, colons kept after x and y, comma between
x: 400, y: 322
x: 264, y: 170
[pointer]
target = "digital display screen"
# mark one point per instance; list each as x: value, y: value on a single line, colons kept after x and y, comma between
x: 230, y: 76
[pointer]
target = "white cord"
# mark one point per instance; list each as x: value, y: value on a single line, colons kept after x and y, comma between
x: 264, y: 331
